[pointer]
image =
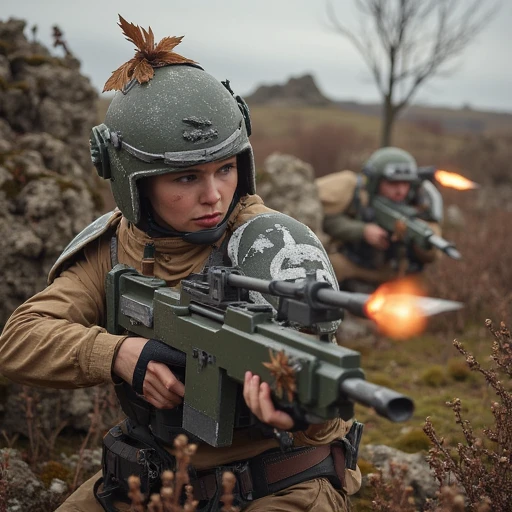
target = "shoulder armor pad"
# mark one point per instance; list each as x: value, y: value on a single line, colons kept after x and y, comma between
x: 276, y: 246
x: 431, y: 201
x: 91, y: 232
x: 336, y: 191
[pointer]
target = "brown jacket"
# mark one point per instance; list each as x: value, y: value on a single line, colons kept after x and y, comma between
x: 57, y: 339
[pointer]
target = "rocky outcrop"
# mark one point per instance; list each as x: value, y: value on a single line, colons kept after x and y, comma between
x: 287, y: 184
x: 47, y: 189
x: 297, y: 91
x: 418, y: 474
x: 23, y: 490
x: 48, y: 192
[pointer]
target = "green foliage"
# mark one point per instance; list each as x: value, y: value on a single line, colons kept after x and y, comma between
x: 403, y: 364
x: 458, y: 369
x: 383, y: 379
x: 366, y: 467
x: 413, y: 441
x: 53, y: 469
x: 434, y: 376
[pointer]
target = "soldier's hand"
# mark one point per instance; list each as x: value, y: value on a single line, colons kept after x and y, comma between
x: 160, y: 387
x: 376, y: 236
x: 257, y: 397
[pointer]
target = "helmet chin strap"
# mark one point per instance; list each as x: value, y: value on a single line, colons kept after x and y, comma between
x: 203, y: 237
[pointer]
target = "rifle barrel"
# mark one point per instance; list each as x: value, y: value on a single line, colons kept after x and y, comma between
x: 453, y: 253
x: 251, y: 283
x: 388, y: 403
x: 352, y: 302
x: 427, y: 173
x: 445, y: 246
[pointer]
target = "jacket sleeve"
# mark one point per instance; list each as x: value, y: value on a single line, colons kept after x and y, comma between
x: 343, y: 228
x: 56, y: 339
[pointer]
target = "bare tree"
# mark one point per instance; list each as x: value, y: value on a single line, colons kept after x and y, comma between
x: 407, y: 42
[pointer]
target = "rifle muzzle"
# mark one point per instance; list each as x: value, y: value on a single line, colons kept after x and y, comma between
x: 453, y: 253
x: 445, y: 246
x: 388, y: 403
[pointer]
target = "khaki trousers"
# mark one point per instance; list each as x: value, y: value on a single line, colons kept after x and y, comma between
x: 312, y: 496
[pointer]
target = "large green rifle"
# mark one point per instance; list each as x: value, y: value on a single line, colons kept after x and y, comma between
x: 218, y: 336
x: 402, y: 221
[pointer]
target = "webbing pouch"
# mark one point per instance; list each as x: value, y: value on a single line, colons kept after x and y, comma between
x: 123, y: 457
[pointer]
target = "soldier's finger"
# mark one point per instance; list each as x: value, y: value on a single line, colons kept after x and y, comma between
x: 269, y: 414
x: 252, y: 395
x: 161, y: 373
x: 160, y: 397
x: 247, y: 382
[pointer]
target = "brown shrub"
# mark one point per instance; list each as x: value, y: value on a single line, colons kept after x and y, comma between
x: 486, y: 159
x: 327, y: 147
x: 482, y: 279
x: 482, y: 466
x: 391, y: 495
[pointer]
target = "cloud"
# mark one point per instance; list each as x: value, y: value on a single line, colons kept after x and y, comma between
x: 262, y: 42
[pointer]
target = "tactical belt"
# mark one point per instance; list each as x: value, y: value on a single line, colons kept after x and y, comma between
x: 273, y: 471
x: 267, y: 473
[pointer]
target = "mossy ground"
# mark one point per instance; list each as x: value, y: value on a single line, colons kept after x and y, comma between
x: 424, y: 368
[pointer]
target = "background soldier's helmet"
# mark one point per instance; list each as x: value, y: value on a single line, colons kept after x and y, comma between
x: 182, y: 117
x: 389, y: 163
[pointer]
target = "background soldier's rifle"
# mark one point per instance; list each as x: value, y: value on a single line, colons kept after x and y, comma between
x: 402, y: 221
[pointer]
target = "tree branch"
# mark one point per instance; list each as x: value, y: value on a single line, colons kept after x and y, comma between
x: 416, y: 39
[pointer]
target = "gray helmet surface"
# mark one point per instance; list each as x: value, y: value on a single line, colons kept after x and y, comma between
x: 182, y: 117
x: 389, y: 163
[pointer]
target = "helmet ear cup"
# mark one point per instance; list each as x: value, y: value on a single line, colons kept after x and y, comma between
x: 98, y: 143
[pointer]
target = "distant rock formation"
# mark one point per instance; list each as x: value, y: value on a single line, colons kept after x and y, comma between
x: 297, y: 91
x: 48, y: 192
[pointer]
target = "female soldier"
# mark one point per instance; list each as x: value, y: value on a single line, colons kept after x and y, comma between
x: 175, y: 148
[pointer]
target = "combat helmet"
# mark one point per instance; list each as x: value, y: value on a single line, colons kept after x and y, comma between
x: 389, y: 163
x: 179, y: 117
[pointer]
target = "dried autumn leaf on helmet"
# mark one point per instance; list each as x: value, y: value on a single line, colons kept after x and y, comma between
x: 147, y: 57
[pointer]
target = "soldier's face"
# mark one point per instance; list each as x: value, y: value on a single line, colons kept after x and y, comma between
x: 394, y: 190
x: 197, y: 198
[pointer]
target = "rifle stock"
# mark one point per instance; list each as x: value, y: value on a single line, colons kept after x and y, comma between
x: 223, y: 336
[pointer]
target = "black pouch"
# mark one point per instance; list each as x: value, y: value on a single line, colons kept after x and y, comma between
x: 123, y: 457
x: 351, y: 441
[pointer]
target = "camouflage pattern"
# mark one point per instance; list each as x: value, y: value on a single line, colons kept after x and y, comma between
x: 276, y: 246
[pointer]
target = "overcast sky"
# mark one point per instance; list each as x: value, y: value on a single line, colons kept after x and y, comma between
x: 253, y: 42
